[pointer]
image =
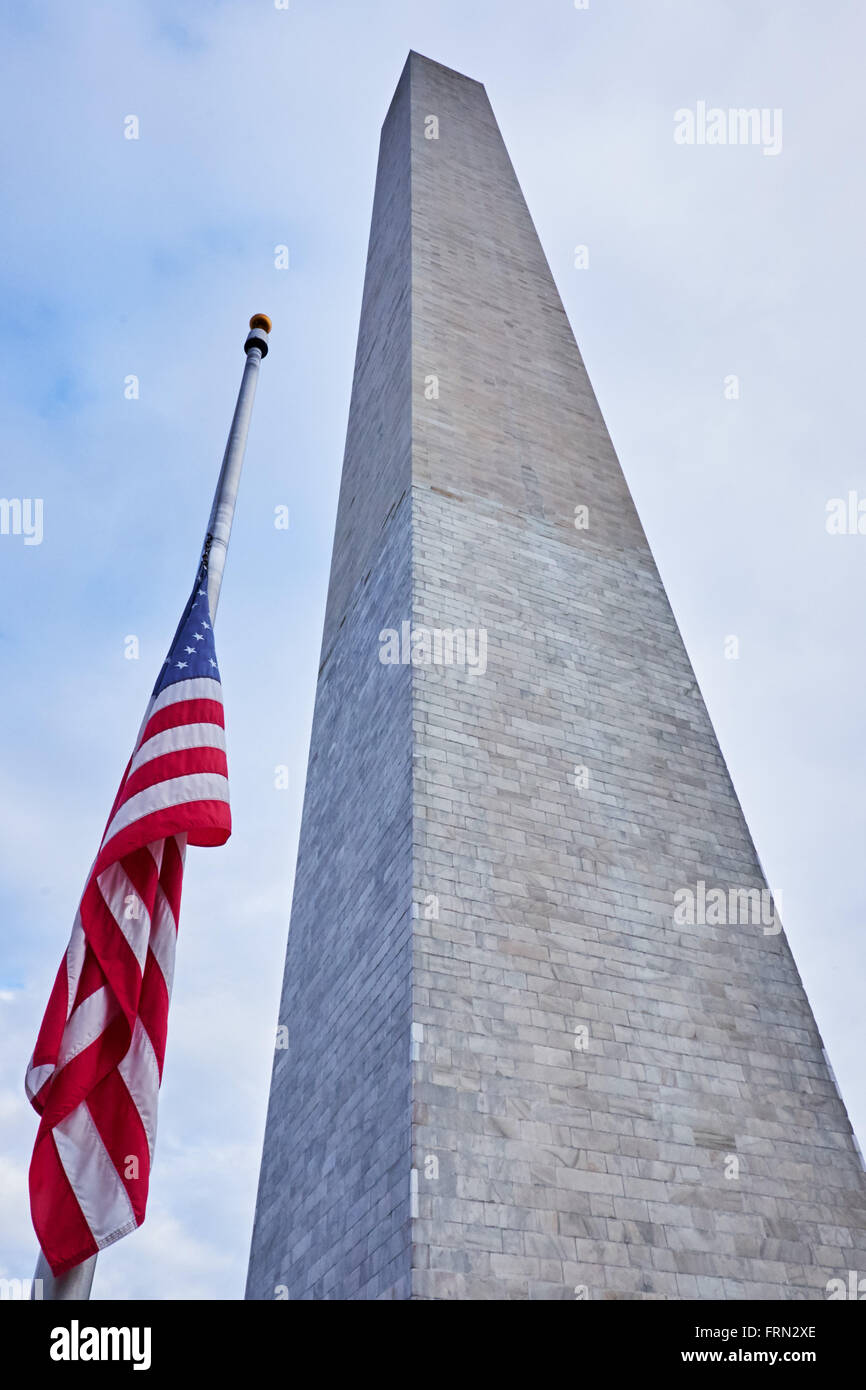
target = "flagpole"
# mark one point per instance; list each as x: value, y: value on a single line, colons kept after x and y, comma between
x: 220, y: 524
x: 76, y: 1283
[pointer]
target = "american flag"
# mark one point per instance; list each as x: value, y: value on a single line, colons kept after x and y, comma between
x: 96, y: 1069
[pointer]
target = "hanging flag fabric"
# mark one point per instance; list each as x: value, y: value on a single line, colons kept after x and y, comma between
x: 96, y: 1069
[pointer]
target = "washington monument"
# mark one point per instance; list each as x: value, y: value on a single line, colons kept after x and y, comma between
x: 523, y: 1053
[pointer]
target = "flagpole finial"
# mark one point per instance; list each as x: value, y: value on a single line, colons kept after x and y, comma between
x: 260, y: 327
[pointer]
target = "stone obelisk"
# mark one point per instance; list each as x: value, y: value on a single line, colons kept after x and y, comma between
x: 546, y: 1038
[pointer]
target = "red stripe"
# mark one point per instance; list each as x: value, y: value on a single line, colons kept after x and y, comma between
x: 118, y: 796
x: 184, y: 712
x: 203, y: 822
x: 182, y: 763
x: 120, y: 1128
x: 154, y: 1008
x: 63, y: 1233
x: 54, y: 1021
x: 171, y: 875
x: 113, y: 951
x: 76, y: 1080
x: 91, y: 979
x: 141, y: 869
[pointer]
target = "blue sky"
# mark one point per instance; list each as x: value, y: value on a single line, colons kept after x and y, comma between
x: 258, y: 128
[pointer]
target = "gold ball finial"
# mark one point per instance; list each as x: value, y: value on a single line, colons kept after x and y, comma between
x: 261, y: 321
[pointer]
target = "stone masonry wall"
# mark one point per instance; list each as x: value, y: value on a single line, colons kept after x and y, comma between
x: 560, y: 801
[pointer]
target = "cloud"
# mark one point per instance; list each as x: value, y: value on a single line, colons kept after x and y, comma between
x: 258, y: 128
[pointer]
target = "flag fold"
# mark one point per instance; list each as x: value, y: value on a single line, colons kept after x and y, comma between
x: 96, y: 1069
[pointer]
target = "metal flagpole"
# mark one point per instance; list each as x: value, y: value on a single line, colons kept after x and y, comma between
x: 76, y: 1283
x: 220, y: 525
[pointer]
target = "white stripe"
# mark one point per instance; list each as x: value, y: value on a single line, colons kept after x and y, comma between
x: 177, y: 739
x: 93, y: 1177
x: 36, y: 1078
x: 127, y: 909
x: 87, y: 1022
x: 163, y: 938
x: 200, y: 688
x: 75, y: 952
x: 140, y: 1071
x: 195, y: 786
